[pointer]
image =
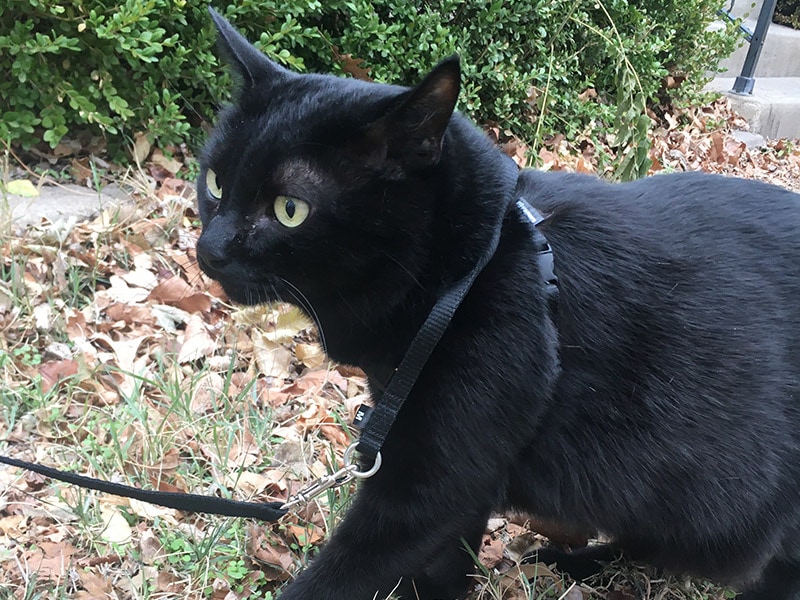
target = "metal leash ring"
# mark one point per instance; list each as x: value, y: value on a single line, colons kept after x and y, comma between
x: 348, y: 462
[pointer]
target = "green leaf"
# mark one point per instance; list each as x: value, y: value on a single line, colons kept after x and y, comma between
x: 22, y: 187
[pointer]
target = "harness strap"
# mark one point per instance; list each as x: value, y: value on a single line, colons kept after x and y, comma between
x: 544, y: 252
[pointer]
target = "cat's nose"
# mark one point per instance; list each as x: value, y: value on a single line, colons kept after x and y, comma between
x: 213, y: 247
x: 209, y: 258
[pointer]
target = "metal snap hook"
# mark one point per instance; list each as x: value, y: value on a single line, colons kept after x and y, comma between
x: 344, y: 475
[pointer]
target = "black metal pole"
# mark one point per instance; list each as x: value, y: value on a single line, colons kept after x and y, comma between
x: 744, y: 83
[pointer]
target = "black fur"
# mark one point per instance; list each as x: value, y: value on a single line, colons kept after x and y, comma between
x: 662, y: 411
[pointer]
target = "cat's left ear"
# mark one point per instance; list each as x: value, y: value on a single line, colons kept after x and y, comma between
x: 416, y: 128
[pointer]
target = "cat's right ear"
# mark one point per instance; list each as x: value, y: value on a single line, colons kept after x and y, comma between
x: 249, y: 63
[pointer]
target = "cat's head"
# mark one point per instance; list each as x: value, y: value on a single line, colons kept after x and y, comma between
x: 322, y: 187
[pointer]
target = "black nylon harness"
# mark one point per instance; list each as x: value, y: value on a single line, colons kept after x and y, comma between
x: 397, y: 390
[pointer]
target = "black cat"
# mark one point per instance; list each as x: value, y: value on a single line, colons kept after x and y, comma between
x: 657, y: 401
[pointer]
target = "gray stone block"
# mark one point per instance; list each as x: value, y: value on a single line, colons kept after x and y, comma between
x: 59, y: 204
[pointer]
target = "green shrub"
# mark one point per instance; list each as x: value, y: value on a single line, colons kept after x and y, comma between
x: 149, y: 65
x: 787, y: 12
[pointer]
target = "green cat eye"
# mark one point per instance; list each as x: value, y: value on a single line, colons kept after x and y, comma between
x: 289, y: 211
x: 212, y: 185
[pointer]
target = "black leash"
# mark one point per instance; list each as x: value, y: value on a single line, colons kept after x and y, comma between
x: 377, y: 424
x: 266, y: 511
x: 382, y: 417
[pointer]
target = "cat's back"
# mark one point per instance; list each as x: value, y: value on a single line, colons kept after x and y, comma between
x: 705, y: 225
x: 667, y: 205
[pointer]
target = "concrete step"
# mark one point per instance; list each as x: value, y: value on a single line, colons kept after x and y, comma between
x: 780, y: 56
x: 773, y: 110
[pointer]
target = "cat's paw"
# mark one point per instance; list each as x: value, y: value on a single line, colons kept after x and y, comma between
x: 579, y: 564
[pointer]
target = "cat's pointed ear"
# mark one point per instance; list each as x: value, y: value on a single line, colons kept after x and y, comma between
x: 250, y: 64
x: 417, y: 126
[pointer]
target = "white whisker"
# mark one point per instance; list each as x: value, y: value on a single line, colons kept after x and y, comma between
x: 305, y: 303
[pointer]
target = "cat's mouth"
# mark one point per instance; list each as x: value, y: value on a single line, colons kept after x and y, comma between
x: 241, y: 287
x: 248, y: 295
x: 246, y: 291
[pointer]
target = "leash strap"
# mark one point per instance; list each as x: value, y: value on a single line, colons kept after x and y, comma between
x: 266, y: 511
x: 423, y: 344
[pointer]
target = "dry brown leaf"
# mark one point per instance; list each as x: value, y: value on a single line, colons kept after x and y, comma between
x: 490, y: 552
x: 50, y: 560
x: 245, y: 452
x: 115, y: 527
x: 150, y: 547
x: 176, y: 292
x: 352, y: 65
x: 167, y: 465
x: 55, y: 370
x: 187, y: 261
x: 197, y: 342
x: 248, y: 483
x: 583, y: 166
x: 173, y: 188
x: 130, y: 313
x: 150, y: 512
x: 522, y: 545
x: 141, y: 147
x: 292, y: 456
x: 307, y: 534
x: 336, y: 435
x: 165, y: 162
x: 95, y: 585
x: 289, y: 321
x: 81, y: 171
x: 734, y: 150
x: 12, y: 525
x: 168, y: 583
x: 311, y: 355
x: 270, y: 551
x: 206, y: 392
x: 125, y: 353
x: 120, y: 291
x: 273, y: 359
x: 549, y: 159
x: 149, y: 233
x: 102, y: 391
x: 143, y: 278
x: 275, y: 478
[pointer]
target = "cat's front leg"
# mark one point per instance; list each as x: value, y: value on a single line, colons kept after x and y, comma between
x: 411, y: 538
x: 447, y: 576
